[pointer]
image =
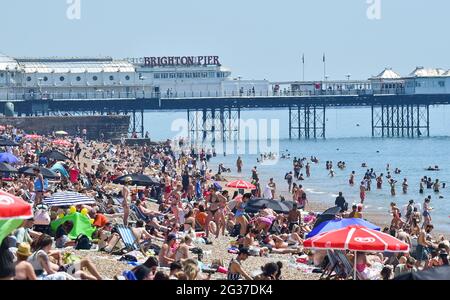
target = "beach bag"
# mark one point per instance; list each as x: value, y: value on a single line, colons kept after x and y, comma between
x: 41, y: 216
x: 236, y: 230
x: 82, y: 243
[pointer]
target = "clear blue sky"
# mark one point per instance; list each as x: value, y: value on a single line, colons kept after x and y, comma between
x: 256, y: 38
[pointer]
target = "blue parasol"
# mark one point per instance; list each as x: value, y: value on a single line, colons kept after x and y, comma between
x: 6, y: 157
x: 338, y: 224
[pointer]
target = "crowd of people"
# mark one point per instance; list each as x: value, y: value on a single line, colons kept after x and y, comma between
x: 183, y: 210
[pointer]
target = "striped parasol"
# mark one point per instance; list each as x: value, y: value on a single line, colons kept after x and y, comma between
x: 68, y: 199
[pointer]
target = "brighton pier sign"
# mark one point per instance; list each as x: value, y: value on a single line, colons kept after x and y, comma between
x: 173, y: 61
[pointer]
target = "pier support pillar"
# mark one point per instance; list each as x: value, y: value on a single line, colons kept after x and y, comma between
x: 209, y: 125
x: 400, y: 120
x: 307, y: 121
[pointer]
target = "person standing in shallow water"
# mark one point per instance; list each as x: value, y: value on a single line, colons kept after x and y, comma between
x: 405, y: 186
x: 392, y: 183
x: 351, y: 181
x: 380, y: 181
x: 239, y: 164
x: 362, y: 192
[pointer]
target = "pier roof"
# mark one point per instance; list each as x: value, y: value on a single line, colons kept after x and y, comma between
x: 75, y: 66
x: 7, y: 63
x: 387, y: 74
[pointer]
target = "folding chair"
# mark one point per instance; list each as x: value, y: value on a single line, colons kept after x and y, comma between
x: 348, y: 268
x: 139, y: 213
x: 332, y: 266
x: 128, y: 238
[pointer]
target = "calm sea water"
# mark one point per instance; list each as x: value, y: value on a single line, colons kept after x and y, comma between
x: 350, y: 143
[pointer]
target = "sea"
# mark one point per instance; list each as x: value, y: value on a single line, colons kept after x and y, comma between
x: 348, y: 139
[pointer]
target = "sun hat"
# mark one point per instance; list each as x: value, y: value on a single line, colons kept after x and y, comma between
x: 24, y: 249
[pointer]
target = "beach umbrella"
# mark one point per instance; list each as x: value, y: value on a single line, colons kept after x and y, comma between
x: 356, y: 238
x: 6, y: 157
x: 6, y: 168
x: 241, y: 184
x: 138, y: 179
x: 33, y: 136
x: 61, y: 132
x: 62, y: 143
x: 254, y: 205
x: 55, y: 155
x: 60, y: 168
x: 68, y: 199
x: 46, y: 173
x: 6, y: 142
x: 13, y: 210
x: 217, y: 186
x: 329, y: 214
x: 13, y: 207
x: 436, y: 273
x: 338, y: 224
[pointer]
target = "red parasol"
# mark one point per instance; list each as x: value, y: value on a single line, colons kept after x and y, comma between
x: 358, y: 239
x: 63, y: 143
x: 33, y: 136
x: 241, y: 184
x: 12, y: 207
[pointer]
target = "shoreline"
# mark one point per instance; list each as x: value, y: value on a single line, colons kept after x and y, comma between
x: 317, y: 204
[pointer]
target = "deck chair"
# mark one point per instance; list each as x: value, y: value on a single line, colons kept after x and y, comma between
x: 348, y: 268
x: 333, y: 266
x: 139, y: 213
x: 128, y: 238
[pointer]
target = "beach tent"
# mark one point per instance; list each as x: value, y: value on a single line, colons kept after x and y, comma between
x: 338, y: 224
x: 13, y: 210
x: 437, y: 273
x: 68, y: 199
x: 254, y: 205
x: 6, y: 157
x: 81, y: 225
x: 60, y: 168
x: 356, y: 238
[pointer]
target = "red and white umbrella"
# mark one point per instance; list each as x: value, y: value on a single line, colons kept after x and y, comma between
x: 63, y: 143
x: 33, y: 137
x: 12, y: 207
x: 358, y: 239
x: 241, y: 184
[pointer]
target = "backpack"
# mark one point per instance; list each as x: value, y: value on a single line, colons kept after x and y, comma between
x: 83, y: 243
x: 236, y: 230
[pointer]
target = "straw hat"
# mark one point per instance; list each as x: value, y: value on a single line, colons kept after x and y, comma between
x: 24, y: 249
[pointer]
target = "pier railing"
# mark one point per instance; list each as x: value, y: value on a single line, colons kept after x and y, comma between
x: 192, y: 94
x: 255, y: 94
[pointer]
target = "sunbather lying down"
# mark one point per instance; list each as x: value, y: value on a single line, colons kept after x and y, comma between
x: 284, y: 244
